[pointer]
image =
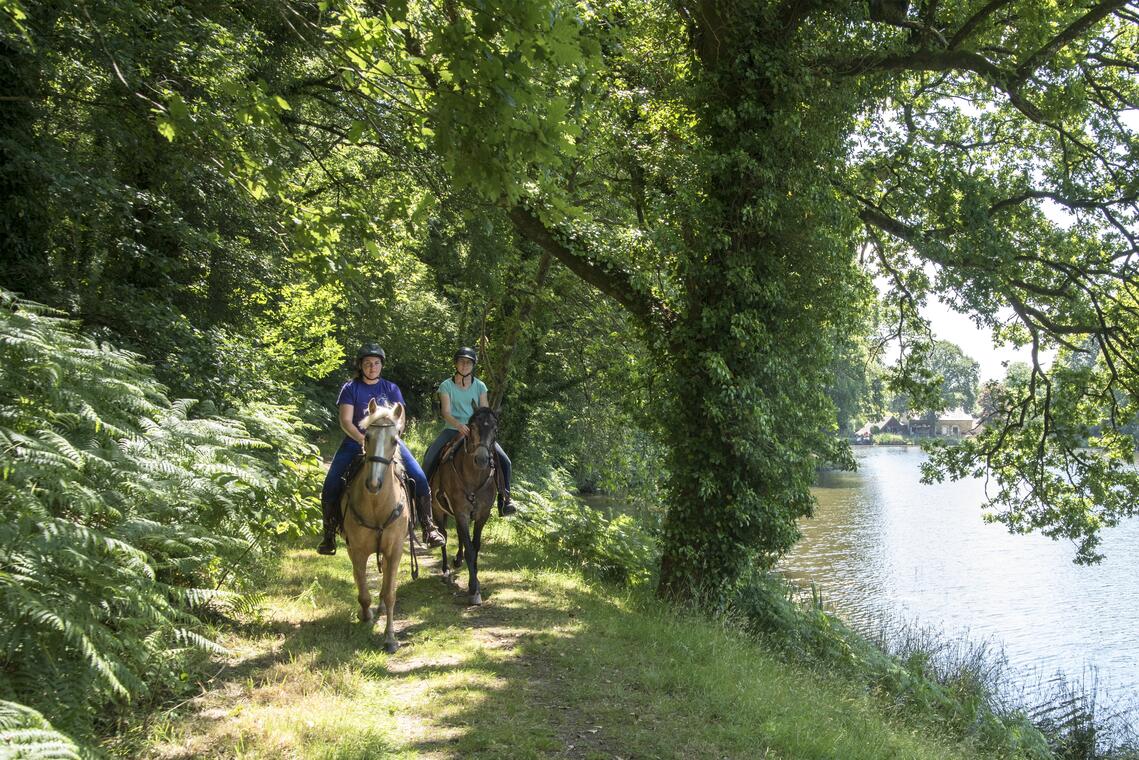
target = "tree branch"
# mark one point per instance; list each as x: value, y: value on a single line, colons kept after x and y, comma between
x: 612, y: 283
x: 1074, y: 30
x: 967, y: 28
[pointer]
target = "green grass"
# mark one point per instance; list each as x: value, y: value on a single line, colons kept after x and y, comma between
x: 552, y: 665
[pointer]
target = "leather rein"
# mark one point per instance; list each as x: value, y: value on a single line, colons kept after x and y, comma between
x: 386, y: 461
x: 471, y: 494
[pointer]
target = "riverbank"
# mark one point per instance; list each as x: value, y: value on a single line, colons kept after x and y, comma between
x: 553, y: 665
x: 892, y: 555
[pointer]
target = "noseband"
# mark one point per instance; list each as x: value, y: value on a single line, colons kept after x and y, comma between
x: 385, y: 461
x: 482, y: 445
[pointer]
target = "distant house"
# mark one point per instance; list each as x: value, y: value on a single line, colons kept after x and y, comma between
x: 956, y: 423
x: 951, y: 424
x: 923, y: 426
x: 889, y: 425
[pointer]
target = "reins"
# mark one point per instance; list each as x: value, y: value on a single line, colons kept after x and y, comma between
x: 396, y: 511
x: 469, y: 494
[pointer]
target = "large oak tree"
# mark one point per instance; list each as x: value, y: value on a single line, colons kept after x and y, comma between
x: 732, y: 171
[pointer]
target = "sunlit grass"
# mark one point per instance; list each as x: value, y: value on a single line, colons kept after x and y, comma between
x: 552, y: 665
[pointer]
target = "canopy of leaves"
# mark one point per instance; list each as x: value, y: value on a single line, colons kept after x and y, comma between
x: 732, y: 175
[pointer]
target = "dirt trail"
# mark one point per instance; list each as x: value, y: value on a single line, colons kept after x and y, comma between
x: 307, y: 680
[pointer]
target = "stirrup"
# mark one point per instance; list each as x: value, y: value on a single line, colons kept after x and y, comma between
x: 328, y: 545
x: 433, y: 538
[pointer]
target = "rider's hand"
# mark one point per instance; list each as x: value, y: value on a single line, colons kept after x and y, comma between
x: 466, y: 431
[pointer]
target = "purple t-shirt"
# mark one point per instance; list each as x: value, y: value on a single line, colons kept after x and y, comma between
x: 358, y: 394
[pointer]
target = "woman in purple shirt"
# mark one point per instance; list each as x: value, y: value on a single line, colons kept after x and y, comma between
x: 353, y: 407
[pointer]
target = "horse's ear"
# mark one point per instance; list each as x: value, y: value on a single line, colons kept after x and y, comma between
x: 371, y: 406
x: 397, y: 413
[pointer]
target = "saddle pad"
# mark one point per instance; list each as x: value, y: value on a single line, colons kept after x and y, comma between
x: 451, y: 448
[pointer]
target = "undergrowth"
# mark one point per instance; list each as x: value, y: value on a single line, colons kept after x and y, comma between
x: 125, y: 519
x: 959, y: 687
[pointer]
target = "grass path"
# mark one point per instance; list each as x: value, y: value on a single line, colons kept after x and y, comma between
x: 549, y: 666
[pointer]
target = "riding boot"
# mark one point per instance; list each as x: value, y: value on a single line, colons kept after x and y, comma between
x: 431, y: 535
x: 328, y: 545
x: 505, y: 503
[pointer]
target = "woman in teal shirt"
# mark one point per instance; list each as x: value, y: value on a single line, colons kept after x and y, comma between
x: 459, y: 396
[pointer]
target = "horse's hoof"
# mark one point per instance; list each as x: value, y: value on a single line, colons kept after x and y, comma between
x: 366, y: 617
x: 475, y: 599
x: 391, y: 646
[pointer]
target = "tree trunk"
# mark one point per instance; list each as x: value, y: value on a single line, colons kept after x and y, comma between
x: 509, y: 342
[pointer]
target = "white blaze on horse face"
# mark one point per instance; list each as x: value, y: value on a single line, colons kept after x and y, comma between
x: 381, y: 444
x: 375, y: 449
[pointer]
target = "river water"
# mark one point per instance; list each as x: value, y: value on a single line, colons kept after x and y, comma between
x: 885, y: 550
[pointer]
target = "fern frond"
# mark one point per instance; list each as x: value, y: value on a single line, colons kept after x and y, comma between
x: 24, y: 733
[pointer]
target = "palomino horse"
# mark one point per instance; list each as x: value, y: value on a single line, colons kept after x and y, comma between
x: 376, y: 513
x: 464, y: 488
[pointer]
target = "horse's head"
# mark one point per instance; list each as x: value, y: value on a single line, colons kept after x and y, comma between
x: 484, y: 427
x: 382, y: 426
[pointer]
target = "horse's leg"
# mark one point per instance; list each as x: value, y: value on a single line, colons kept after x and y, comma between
x: 392, y: 551
x: 359, y: 551
x: 476, y: 539
x: 380, y: 570
x: 476, y: 545
x: 441, y: 524
x: 461, y: 552
x: 464, y: 529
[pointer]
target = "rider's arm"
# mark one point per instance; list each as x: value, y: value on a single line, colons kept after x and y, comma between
x: 348, y: 426
x: 445, y: 409
x: 482, y: 399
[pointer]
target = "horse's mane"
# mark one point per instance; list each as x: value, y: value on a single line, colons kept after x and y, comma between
x: 381, y: 413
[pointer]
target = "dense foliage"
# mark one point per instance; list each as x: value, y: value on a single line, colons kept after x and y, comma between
x: 25, y: 734
x: 124, y: 517
x: 242, y: 193
x: 616, y: 548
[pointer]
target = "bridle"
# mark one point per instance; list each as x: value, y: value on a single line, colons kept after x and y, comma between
x: 470, y: 494
x: 373, y: 459
x: 481, y: 445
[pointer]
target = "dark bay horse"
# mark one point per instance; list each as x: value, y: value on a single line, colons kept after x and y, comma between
x: 464, y: 488
x: 376, y: 513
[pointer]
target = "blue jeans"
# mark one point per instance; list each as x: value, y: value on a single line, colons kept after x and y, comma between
x: 334, y: 481
x: 446, y: 435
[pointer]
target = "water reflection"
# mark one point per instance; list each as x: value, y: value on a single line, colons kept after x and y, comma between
x: 883, y: 547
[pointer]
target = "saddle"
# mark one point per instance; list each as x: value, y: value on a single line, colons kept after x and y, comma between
x: 451, y: 449
x: 353, y: 470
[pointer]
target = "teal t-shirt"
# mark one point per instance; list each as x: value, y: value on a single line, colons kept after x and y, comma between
x: 464, y: 401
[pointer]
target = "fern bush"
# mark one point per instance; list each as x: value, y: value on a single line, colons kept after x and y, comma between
x: 563, y: 526
x: 123, y: 518
x: 25, y: 734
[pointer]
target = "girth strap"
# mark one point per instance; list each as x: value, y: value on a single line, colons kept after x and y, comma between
x: 395, y: 513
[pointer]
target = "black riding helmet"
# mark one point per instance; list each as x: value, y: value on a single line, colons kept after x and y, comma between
x: 466, y: 353
x: 371, y: 349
